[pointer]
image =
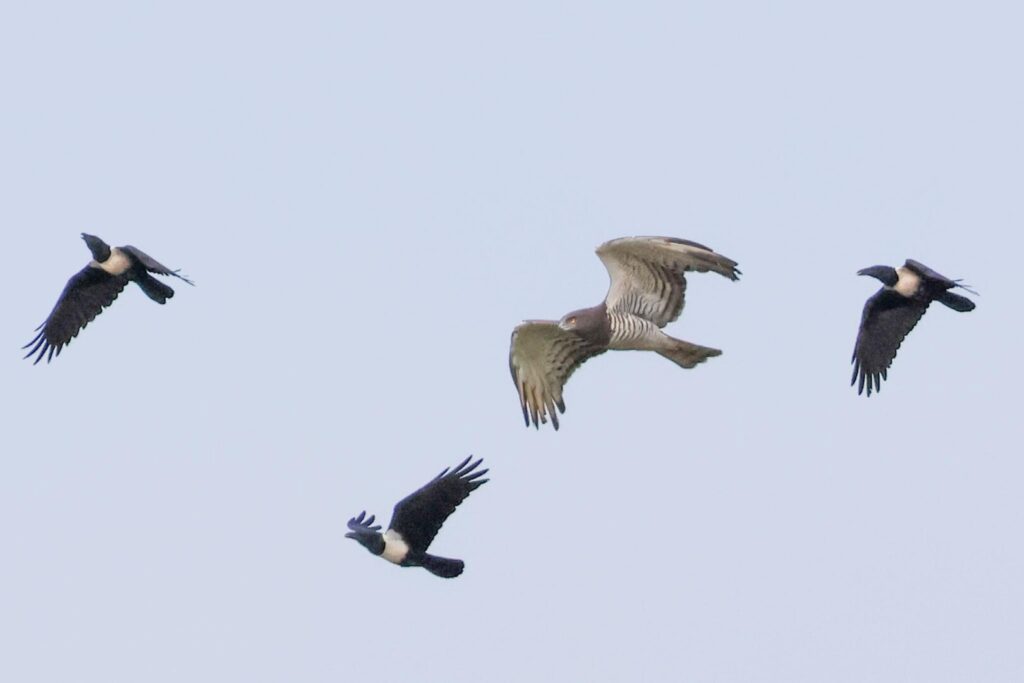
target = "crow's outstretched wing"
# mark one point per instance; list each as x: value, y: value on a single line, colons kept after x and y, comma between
x: 84, y: 297
x: 152, y: 265
x: 887, y: 320
x: 363, y: 523
x: 419, y: 516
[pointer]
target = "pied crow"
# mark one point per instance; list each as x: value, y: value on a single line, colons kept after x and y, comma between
x: 892, y: 313
x: 417, y: 518
x: 94, y: 288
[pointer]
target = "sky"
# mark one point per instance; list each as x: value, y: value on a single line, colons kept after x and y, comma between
x: 369, y: 198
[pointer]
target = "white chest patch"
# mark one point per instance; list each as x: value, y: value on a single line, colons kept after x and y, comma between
x: 117, y: 263
x: 908, y: 283
x: 395, y: 547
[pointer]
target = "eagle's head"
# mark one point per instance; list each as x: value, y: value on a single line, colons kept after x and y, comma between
x: 591, y: 323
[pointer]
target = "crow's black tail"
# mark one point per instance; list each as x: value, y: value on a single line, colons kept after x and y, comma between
x: 442, y: 566
x: 154, y: 289
x: 956, y: 302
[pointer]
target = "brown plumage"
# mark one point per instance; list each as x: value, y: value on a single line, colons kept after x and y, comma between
x: 647, y: 291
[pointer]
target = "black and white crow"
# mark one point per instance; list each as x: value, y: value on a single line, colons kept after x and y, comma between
x: 892, y: 313
x: 416, y: 520
x: 94, y: 288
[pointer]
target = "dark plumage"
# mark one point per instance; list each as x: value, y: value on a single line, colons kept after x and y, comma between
x: 416, y: 520
x: 94, y: 288
x: 892, y: 313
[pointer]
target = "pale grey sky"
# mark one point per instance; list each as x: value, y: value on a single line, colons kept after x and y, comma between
x: 369, y: 198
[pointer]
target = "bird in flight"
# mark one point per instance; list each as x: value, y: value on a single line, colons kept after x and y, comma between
x: 893, y: 311
x: 648, y: 285
x: 94, y: 288
x: 417, y: 518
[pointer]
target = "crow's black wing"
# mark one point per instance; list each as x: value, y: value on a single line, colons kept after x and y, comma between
x: 935, y: 279
x: 152, y: 265
x: 887, y: 320
x: 419, y: 516
x: 363, y: 523
x: 84, y: 297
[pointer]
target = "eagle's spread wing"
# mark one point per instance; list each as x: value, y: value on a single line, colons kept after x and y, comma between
x: 419, y: 516
x: 541, y: 357
x: 152, y: 265
x: 84, y: 297
x: 887, y: 319
x: 647, y: 274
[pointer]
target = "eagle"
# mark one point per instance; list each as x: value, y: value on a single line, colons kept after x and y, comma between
x: 94, y: 288
x: 416, y: 520
x: 893, y: 311
x: 648, y: 286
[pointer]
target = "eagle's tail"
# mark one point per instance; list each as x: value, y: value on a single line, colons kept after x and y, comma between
x: 687, y: 355
x: 442, y: 566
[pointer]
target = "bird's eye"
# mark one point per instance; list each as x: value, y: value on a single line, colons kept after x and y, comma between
x: 572, y: 320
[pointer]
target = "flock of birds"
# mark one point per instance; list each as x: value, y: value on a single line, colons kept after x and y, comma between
x: 647, y: 291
